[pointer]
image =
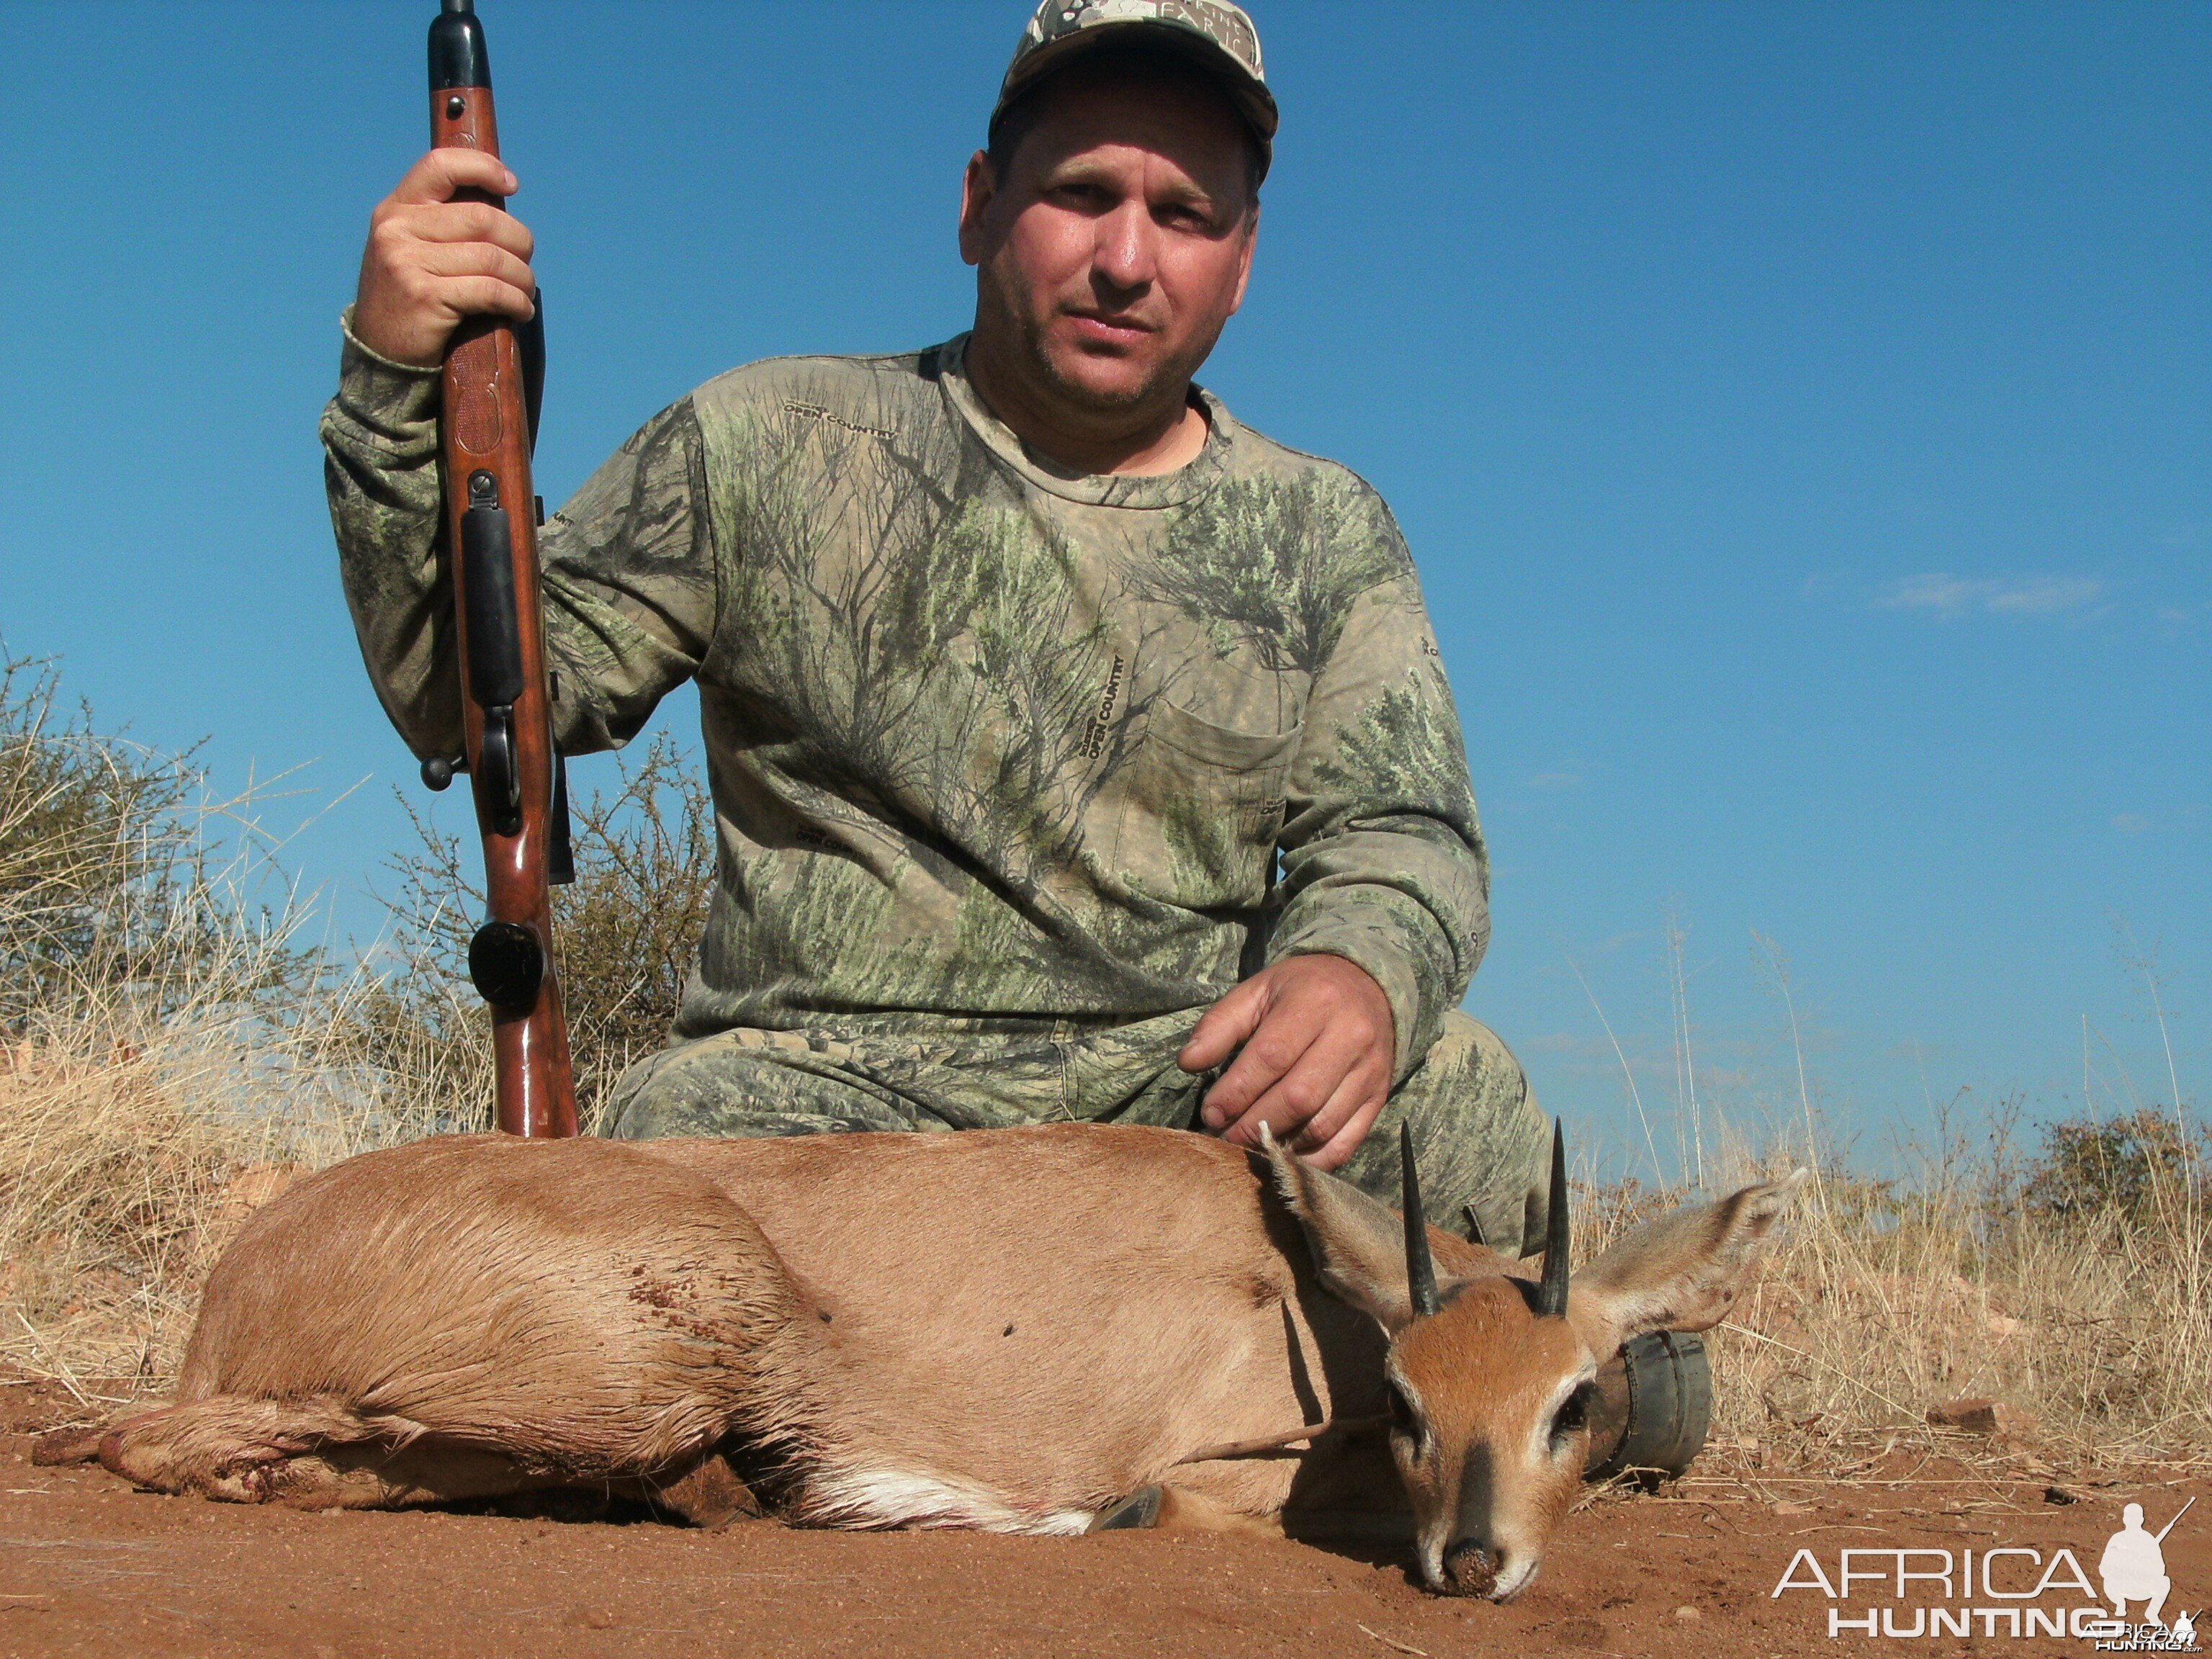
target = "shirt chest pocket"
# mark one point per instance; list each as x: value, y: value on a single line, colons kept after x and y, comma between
x: 1204, y: 806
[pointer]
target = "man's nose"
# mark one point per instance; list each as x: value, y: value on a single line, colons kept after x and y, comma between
x: 1123, y: 255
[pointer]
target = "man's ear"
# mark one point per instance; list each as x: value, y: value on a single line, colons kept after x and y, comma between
x: 1358, y: 1245
x: 1244, y: 260
x: 977, y: 187
x: 1679, y: 1272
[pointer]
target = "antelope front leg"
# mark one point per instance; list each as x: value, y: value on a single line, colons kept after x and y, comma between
x: 1177, y: 1508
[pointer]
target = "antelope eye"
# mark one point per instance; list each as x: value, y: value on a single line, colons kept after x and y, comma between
x: 1403, y: 1419
x: 1573, y: 1415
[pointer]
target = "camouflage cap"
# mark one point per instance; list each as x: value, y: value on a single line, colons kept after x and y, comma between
x: 1213, y: 35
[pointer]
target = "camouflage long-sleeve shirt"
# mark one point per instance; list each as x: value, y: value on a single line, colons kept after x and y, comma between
x: 988, y: 743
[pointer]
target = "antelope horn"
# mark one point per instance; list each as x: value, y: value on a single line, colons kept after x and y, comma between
x: 1551, y: 1292
x: 1420, y: 1266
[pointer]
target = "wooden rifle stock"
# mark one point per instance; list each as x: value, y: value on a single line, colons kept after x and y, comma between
x: 486, y: 432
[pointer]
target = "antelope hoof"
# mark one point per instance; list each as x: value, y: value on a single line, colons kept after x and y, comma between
x: 710, y: 1496
x: 1138, y: 1512
x: 1469, y: 1571
x: 67, y: 1446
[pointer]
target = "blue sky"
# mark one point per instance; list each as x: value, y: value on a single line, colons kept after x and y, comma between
x: 1799, y: 414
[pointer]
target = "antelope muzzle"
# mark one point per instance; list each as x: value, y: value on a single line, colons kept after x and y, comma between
x: 1469, y: 1569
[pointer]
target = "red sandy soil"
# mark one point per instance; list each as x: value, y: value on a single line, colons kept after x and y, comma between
x: 90, y: 1566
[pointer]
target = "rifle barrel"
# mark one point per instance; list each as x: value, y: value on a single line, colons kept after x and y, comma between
x: 2176, y: 1522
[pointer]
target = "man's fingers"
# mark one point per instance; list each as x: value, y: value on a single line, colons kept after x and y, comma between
x: 1267, y: 1058
x: 1346, y: 1141
x: 476, y: 259
x: 1285, y: 1110
x: 480, y: 297
x: 1286, y: 1102
x: 442, y: 171
x: 466, y: 221
x: 1364, y: 1085
x: 1224, y: 1025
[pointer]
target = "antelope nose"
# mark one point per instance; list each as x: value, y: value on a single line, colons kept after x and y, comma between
x: 1470, y: 1569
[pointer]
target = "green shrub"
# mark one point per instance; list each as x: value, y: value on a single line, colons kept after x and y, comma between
x: 2118, y: 1167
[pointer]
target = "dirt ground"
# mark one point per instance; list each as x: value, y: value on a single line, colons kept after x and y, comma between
x: 88, y: 1566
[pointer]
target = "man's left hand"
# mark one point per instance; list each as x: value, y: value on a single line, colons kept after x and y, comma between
x: 1315, y: 1043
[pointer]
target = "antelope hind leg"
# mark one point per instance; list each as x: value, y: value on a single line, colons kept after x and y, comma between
x: 306, y: 1454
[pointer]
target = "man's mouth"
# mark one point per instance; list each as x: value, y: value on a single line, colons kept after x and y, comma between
x: 1092, y: 328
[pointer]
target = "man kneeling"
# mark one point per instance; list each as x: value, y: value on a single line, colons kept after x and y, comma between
x: 1077, y: 751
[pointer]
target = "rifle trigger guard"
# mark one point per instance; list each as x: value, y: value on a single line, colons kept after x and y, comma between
x: 495, y: 766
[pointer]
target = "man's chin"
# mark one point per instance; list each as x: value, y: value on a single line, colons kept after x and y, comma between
x: 1105, y: 382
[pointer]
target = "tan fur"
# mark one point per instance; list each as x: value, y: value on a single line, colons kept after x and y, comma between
x: 1157, y: 1306
x: 564, y: 1311
x: 1009, y: 1330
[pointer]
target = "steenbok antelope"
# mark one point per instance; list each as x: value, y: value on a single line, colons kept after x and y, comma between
x: 1035, y: 1330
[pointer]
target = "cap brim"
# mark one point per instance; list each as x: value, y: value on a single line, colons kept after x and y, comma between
x: 1254, y: 102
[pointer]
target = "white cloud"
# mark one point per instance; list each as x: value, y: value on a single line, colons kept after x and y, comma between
x: 2045, y: 593
x: 2023, y: 596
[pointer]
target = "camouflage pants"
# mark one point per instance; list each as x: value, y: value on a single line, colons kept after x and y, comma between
x: 1478, y: 1136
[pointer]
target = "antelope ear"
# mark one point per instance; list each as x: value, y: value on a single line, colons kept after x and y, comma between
x: 1358, y: 1245
x: 1679, y: 1272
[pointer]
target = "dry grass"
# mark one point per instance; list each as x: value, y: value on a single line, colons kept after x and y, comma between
x: 167, y: 1051
x: 1883, y: 1297
x: 168, y: 1060
x: 125, y: 1162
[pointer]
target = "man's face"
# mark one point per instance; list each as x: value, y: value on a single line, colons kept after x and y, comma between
x: 1119, y: 242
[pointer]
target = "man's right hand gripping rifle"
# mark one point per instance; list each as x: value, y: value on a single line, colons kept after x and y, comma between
x: 432, y: 261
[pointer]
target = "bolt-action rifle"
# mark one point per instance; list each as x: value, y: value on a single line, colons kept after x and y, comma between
x: 493, y: 378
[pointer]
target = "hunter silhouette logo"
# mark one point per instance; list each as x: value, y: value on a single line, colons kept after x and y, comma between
x: 2009, y: 1591
x: 2133, y: 1566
